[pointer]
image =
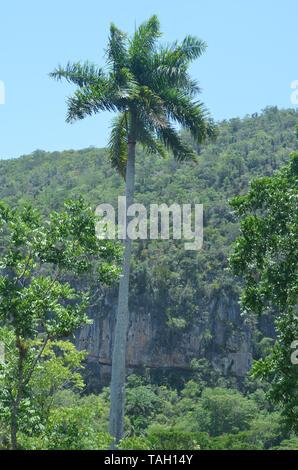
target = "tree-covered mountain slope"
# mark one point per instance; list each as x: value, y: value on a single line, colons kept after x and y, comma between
x: 183, y: 304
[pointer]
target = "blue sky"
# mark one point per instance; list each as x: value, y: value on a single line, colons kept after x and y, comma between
x: 250, y: 62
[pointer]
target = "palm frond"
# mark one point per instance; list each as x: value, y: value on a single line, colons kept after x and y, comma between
x: 167, y: 68
x: 89, y: 100
x: 172, y: 141
x: 192, y: 115
x: 143, y: 42
x: 116, y: 50
x: 117, y: 148
x: 149, y: 105
x: 149, y: 141
x: 85, y: 74
x: 192, y: 48
x: 123, y: 82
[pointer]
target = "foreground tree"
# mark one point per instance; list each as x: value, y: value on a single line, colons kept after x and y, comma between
x: 35, y: 298
x: 150, y: 88
x: 265, y: 256
x: 56, y: 416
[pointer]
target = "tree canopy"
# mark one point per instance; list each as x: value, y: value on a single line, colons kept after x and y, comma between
x: 36, y: 299
x: 149, y: 86
x: 266, y: 256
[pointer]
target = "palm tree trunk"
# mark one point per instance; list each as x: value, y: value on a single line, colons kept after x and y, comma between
x: 119, y: 351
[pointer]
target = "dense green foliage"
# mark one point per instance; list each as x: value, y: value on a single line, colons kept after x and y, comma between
x: 208, y: 411
x: 157, y: 417
x: 49, y: 418
x: 36, y: 299
x: 266, y: 256
x: 162, y: 271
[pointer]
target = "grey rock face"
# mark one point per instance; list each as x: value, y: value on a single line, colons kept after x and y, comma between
x: 224, y: 338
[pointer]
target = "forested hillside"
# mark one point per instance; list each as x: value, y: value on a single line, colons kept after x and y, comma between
x: 185, y: 322
x: 185, y: 292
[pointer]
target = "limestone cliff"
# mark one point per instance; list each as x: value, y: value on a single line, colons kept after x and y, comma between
x: 225, y: 338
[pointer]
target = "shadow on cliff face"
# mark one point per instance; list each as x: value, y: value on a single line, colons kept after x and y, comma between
x: 223, y: 338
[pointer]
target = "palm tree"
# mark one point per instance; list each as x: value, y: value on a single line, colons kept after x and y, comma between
x: 150, y: 88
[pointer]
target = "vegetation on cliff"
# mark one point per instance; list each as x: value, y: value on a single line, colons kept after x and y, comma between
x: 208, y: 411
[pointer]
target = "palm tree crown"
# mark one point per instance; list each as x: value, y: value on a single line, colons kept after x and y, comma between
x: 149, y: 87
